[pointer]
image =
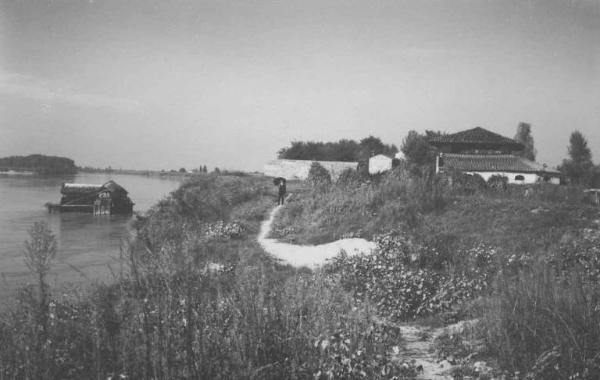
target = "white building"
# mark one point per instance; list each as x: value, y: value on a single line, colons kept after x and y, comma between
x: 517, y: 169
x: 379, y: 164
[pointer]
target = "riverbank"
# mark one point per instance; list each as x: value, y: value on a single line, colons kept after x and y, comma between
x: 169, y: 315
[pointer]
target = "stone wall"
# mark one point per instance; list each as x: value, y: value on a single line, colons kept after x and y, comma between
x: 298, y: 169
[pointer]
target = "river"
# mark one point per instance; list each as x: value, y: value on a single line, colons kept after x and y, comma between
x: 88, y: 245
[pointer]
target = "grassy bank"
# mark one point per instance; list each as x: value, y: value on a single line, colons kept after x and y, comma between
x: 198, y: 299
x: 524, y: 263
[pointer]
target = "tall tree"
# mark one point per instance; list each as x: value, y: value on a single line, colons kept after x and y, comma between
x: 524, y: 137
x: 372, y: 146
x: 579, y: 166
x: 417, y: 150
x: 342, y: 150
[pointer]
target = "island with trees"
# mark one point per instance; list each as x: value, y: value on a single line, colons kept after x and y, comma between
x: 38, y: 164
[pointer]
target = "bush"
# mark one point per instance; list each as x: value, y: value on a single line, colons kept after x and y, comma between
x: 467, y: 184
x: 318, y: 176
x: 348, y: 178
x: 497, y: 182
x: 405, y: 278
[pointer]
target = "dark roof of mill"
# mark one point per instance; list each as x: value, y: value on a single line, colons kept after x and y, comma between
x: 83, y: 188
x: 476, y: 136
x: 493, y: 163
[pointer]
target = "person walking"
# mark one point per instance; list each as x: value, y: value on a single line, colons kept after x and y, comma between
x: 282, y: 191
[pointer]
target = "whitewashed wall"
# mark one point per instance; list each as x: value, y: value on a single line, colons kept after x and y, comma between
x: 379, y: 164
x: 529, y: 177
x: 298, y: 169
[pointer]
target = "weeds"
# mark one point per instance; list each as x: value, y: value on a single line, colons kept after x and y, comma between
x: 200, y: 300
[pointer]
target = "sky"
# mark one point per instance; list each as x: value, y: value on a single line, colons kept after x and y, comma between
x: 155, y: 84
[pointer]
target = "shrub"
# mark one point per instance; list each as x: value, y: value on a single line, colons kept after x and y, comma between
x: 463, y: 183
x: 318, y: 176
x: 405, y: 278
x: 497, y: 182
x: 348, y: 178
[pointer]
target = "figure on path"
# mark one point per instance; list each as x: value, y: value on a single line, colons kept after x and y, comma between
x: 280, y: 183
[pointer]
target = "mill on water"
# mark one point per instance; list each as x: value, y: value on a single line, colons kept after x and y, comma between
x: 109, y: 198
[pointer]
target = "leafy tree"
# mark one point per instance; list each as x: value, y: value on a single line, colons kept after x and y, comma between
x: 342, y: 150
x: 372, y: 146
x: 579, y: 166
x: 525, y: 137
x: 182, y: 170
x: 417, y: 150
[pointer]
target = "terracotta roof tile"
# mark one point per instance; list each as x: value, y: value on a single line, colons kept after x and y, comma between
x: 492, y: 163
x: 476, y: 135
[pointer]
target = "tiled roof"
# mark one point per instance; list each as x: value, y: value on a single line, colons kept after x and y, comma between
x: 492, y: 163
x: 476, y: 135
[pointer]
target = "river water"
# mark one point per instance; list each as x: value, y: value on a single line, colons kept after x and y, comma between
x: 88, y: 245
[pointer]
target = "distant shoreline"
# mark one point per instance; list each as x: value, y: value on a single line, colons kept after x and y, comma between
x: 16, y: 172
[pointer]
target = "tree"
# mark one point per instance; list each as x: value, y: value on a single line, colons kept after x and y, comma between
x: 342, y: 150
x: 372, y: 146
x: 417, y: 150
x: 579, y: 166
x: 524, y: 137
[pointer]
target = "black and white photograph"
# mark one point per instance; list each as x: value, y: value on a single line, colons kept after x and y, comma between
x: 300, y: 189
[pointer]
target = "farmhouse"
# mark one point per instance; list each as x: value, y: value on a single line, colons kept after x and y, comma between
x: 379, y: 164
x: 298, y: 169
x: 479, y: 151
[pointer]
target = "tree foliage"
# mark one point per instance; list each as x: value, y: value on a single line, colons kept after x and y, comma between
x: 579, y: 167
x: 39, y: 164
x: 525, y: 137
x: 342, y: 150
x: 417, y: 150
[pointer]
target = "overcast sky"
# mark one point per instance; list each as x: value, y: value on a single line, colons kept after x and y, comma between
x: 155, y: 84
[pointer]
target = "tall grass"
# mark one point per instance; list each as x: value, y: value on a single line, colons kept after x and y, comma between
x: 200, y: 300
x: 397, y: 199
x: 545, y: 325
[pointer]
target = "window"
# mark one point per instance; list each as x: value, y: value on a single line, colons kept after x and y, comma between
x: 519, y: 178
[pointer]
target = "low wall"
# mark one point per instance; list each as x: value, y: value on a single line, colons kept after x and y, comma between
x: 528, y: 178
x: 298, y: 169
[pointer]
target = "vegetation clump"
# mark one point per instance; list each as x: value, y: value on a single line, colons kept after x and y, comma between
x: 342, y: 150
x: 406, y: 279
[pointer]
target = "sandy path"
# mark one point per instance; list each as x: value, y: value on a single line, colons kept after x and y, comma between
x: 308, y: 255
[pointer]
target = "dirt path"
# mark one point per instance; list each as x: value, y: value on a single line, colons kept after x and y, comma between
x: 417, y: 339
x: 308, y: 255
